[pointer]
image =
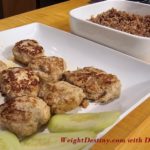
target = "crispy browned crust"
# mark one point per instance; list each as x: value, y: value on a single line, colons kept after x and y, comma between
x: 96, y: 84
x: 24, y: 115
x: 22, y: 48
x: 19, y: 81
x: 61, y: 96
x: 49, y: 69
x: 25, y: 50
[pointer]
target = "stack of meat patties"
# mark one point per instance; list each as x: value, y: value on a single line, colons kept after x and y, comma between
x: 43, y: 86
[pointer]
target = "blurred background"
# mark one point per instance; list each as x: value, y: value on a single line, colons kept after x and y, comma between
x: 14, y: 7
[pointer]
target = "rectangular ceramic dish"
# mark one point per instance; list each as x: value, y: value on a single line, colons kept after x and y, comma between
x: 79, y: 52
x: 133, y: 45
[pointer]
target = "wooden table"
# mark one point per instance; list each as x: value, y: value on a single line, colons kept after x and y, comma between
x: 136, y: 124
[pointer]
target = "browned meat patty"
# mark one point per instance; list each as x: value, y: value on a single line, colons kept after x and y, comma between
x: 26, y: 50
x: 17, y: 81
x: 61, y: 96
x: 24, y: 115
x: 49, y: 69
x: 96, y: 84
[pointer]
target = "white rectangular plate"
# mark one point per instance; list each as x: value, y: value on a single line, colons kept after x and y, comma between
x: 79, y: 52
x: 133, y: 45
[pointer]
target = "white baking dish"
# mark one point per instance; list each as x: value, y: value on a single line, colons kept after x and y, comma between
x: 133, y: 74
x: 133, y: 45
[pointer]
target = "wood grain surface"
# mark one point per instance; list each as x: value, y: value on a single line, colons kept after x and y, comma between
x: 55, y: 15
x: 136, y: 124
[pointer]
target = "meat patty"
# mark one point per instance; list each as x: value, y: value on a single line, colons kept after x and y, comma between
x: 19, y: 82
x: 49, y: 69
x: 24, y: 115
x: 26, y: 50
x: 96, y: 84
x: 61, y: 96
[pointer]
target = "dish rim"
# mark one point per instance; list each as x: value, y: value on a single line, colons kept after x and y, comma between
x: 38, y: 26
